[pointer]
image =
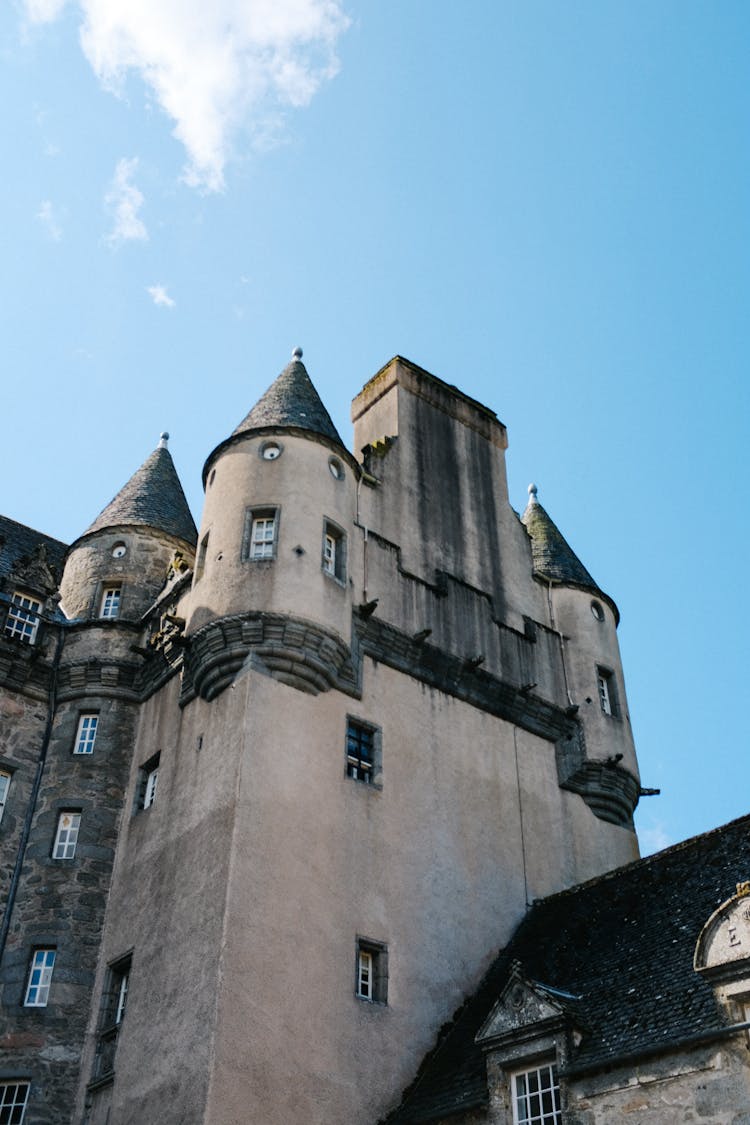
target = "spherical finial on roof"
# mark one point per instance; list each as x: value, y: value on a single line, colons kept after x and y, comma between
x: 532, y: 493
x: 163, y: 439
x: 297, y: 353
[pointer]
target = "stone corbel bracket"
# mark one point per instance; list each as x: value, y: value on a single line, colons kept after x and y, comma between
x: 296, y: 652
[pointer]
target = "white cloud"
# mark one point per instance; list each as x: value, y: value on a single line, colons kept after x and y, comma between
x: 216, y: 68
x: 159, y: 296
x: 46, y: 216
x: 653, y: 838
x: 125, y: 201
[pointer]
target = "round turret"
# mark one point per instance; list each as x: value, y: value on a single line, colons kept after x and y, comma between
x: 116, y: 569
x: 276, y: 535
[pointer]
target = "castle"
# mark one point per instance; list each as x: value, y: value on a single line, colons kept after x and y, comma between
x: 275, y: 792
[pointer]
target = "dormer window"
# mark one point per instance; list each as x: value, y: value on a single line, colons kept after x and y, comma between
x: 536, y: 1097
x: 110, y: 604
x: 22, y: 620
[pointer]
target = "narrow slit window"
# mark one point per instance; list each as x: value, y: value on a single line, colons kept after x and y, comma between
x: 147, y: 782
x: 200, y: 562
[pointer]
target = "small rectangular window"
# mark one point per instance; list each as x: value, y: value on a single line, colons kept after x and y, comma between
x: 605, y: 682
x: 40, y: 977
x: 363, y: 752
x: 4, y: 787
x: 263, y: 536
x: 114, y: 1000
x: 536, y: 1097
x: 22, y: 620
x: 86, y: 734
x: 110, y: 607
x: 13, y: 1099
x: 372, y: 971
x: 334, y: 551
x: 66, y: 838
x: 147, y: 782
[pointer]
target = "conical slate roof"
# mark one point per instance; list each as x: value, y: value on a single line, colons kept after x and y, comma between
x: 552, y: 557
x: 153, y: 497
x: 291, y: 400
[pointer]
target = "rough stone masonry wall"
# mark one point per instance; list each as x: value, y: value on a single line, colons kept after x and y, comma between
x: 60, y: 903
x: 22, y: 722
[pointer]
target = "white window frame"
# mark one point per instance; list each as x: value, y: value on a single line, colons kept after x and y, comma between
x: 371, y: 983
x: 527, y: 1104
x: 365, y: 973
x: 14, y: 1095
x: 22, y: 619
x: 66, y: 837
x: 5, y: 778
x: 110, y: 603
x: 149, y: 790
x: 263, y: 536
x: 88, y: 724
x: 333, y: 558
x: 41, y: 966
x: 605, y: 686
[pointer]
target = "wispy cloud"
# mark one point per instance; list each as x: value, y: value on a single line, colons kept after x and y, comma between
x: 653, y: 838
x: 48, y: 219
x: 215, y: 68
x: 124, y: 200
x: 159, y: 296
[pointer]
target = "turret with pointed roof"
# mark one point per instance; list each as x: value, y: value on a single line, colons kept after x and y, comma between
x: 131, y: 543
x: 554, y: 560
x: 153, y: 497
x: 290, y: 403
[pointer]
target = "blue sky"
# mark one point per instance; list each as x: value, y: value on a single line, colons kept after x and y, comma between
x: 543, y: 203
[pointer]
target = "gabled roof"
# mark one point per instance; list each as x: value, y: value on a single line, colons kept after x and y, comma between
x: 153, y: 497
x: 623, y: 946
x: 19, y: 544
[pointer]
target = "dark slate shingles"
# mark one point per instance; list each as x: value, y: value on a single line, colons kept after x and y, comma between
x: 153, y: 497
x: 624, y: 944
x: 292, y: 401
x: 552, y: 556
x: 19, y: 543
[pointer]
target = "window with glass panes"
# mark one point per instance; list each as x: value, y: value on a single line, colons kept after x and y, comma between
x: 13, y: 1099
x: 86, y: 733
x: 536, y: 1097
x: 262, y: 538
x: 4, y: 787
x: 372, y: 971
x: 68, y: 825
x: 22, y: 620
x: 40, y: 978
x: 360, y: 751
x: 110, y: 607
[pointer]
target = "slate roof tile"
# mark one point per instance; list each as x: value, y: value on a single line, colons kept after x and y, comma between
x: 153, y: 497
x: 291, y: 401
x: 19, y: 543
x: 624, y: 944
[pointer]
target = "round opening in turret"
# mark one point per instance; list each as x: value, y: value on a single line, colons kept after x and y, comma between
x: 270, y: 450
x: 337, y: 469
x: 119, y: 550
x: 597, y: 611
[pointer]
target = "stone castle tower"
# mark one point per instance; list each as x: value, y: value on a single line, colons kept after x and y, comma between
x: 276, y: 791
